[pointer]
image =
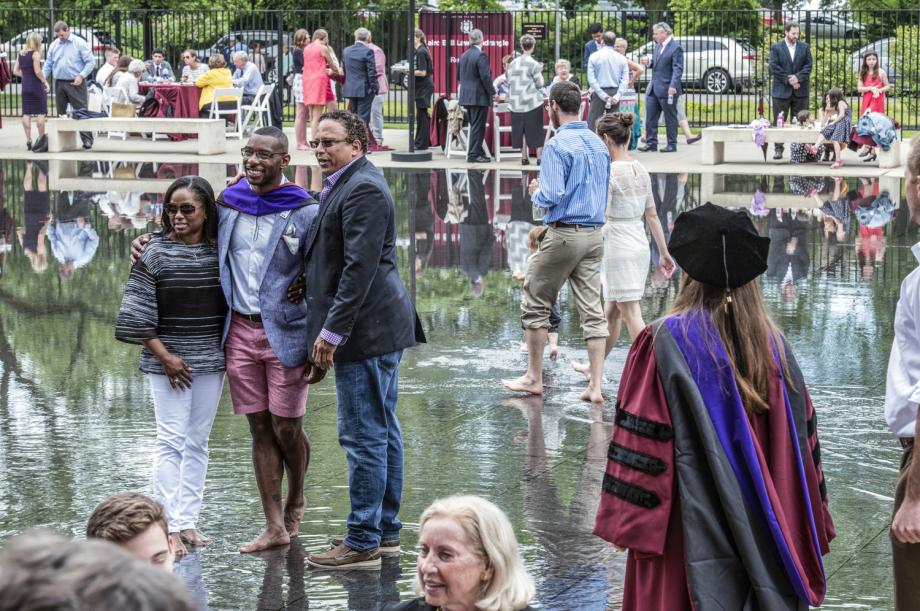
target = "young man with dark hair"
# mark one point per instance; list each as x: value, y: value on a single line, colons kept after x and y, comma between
x: 136, y: 523
x: 158, y: 69
x: 592, y: 45
x: 572, y: 191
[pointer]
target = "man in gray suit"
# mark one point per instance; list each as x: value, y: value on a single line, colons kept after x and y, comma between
x: 790, y: 63
x: 475, y: 95
x: 361, y: 86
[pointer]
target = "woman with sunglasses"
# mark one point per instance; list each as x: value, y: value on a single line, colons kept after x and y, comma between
x: 174, y: 306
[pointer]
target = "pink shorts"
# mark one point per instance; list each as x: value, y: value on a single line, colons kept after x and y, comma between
x: 257, y: 379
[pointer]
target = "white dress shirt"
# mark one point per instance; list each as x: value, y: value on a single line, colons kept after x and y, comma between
x: 249, y: 253
x: 902, y: 389
x: 791, y: 49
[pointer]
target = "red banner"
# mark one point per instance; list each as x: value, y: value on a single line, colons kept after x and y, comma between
x: 447, y: 35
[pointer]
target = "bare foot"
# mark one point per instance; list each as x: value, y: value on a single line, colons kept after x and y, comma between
x: 592, y: 394
x: 524, y: 347
x: 267, y: 539
x: 524, y: 384
x: 553, y: 351
x: 179, y: 548
x: 194, y: 538
x: 293, y: 514
x: 582, y: 368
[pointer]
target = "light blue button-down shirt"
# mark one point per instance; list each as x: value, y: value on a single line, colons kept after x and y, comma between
x: 248, y: 78
x: 574, y: 177
x: 608, y: 69
x: 68, y: 58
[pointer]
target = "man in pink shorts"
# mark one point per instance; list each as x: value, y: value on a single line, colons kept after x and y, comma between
x: 262, y: 230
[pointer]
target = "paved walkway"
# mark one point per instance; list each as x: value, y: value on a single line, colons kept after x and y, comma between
x: 746, y: 158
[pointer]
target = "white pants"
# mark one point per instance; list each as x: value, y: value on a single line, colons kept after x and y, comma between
x: 376, y: 125
x: 184, y: 419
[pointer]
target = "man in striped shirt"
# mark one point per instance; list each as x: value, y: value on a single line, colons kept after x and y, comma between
x: 572, y: 191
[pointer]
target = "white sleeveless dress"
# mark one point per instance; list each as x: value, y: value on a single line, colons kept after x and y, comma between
x: 627, y: 254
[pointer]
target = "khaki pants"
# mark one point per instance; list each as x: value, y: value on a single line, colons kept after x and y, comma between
x: 572, y: 253
x: 906, y: 556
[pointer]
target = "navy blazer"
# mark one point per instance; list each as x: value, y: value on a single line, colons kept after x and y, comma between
x: 782, y: 65
x: 353, y: 283
x: 475, y: 79
x: 667, y: 70
x: 590, y: 47
x: 360, y: 71
x: 285, y: 323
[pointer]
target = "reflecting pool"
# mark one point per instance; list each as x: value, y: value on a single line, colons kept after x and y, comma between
x: 76, y: 418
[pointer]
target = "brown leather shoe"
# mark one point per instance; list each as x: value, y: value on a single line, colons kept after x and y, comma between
x: 388, y: 547
x: 343, y: 557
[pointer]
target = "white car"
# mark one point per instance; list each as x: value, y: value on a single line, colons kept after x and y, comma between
x: 716, y: 64
x: 97, y: 39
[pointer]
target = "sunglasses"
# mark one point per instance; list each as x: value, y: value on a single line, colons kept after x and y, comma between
x: 185, y: 209
x: 325, y: 143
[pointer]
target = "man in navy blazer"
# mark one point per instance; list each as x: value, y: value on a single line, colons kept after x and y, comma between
x: 476, y: 93
x: 790, y: 63
x: 361, y: 319
x: 360, y: 75
x: 592, y: 45
x: 667, y: 64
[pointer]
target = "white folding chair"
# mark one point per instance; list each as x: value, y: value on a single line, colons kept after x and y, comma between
x: 258, y: 110
x: 237, y: 110
x: 459, y: 145
x: 112, y: 95
x: 499, y: 111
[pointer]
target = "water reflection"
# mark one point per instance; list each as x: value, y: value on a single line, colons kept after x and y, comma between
x: 76, y: 423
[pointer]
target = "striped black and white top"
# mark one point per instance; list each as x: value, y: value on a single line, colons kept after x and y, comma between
x: 173, y: 293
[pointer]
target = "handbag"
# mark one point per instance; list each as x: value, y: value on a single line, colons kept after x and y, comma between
x: 41, y: 144
x: 122, y: 111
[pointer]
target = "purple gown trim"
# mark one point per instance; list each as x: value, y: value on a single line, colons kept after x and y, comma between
x: 241, y: 197
x: 694, y: 334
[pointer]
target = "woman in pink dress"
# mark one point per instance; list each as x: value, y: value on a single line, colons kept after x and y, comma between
x: 318, y: 62
x: 873, y: 83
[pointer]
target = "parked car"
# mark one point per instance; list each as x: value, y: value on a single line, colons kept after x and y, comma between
x: 399, y: 74
x: 716, y: 64
x: 97, y: 39
x: 883, y: 47
x: 267, y: 38
x: 836, y: 25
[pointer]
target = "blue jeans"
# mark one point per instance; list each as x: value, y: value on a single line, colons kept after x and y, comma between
x: 370, y: 435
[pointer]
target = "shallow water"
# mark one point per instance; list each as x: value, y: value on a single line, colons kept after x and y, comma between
x: 76, y: 418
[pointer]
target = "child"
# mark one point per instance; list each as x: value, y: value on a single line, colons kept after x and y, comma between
x: 873, y: 83
x: 837, y: 115
x: 501, y: 81
x: 799, y: 151
x: 533, y: 243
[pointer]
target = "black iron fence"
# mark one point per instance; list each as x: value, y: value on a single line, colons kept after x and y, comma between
x: 726, y: 67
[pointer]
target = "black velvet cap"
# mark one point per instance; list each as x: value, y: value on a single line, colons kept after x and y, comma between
x: 697, y: 246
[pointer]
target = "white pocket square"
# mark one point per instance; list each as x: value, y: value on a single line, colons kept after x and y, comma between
x: 293, y: 243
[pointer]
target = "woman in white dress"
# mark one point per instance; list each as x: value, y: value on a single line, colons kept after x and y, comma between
x: 627, y: 254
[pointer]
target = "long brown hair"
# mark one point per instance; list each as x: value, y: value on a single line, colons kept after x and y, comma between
x: 758, y: 334
x: 864, y: 70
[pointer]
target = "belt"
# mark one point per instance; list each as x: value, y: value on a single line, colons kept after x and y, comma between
x: 250, y: 317
x: 561, y: 225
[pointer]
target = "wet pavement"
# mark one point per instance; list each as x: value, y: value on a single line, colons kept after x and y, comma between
x: 76, y: 418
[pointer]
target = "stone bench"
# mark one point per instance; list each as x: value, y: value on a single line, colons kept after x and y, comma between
x: 63, y: 133
x: 714, y: 139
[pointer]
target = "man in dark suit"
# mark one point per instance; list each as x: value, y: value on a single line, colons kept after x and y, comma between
x: 790, y: 63
x: 361, y: 319
x: 476, y: 92
x: 592, y: 45
x: 667, y: 64
x: 360, y: 76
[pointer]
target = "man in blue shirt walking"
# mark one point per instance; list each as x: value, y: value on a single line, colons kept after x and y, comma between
x: 70, y: 61
x: 572, y: 191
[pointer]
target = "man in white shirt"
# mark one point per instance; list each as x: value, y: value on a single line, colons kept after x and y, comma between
x: 608, y: 76
x: 902, y: 396
x: 112, y: 55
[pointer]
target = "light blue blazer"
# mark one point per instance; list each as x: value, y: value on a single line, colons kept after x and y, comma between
x: 285, y: 323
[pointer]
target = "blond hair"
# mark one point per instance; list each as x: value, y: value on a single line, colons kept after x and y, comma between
x: 492, y: 538
x: 320, y: 34
x: 33, y: 42
x: 301, y: 38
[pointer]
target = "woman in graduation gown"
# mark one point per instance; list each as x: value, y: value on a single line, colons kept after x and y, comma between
x: 713, y: 480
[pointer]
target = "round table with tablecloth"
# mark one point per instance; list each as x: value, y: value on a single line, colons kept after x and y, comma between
x: 181, y: 98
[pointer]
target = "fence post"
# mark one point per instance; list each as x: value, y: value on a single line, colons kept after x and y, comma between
x: 279, y: 59
x: 148, y: 34
x: 558, y: 34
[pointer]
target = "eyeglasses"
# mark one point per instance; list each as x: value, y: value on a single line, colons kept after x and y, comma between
x: 261, y: 154
x: 186, y: 57
x: 185, y: 209
x: 325, y: 143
